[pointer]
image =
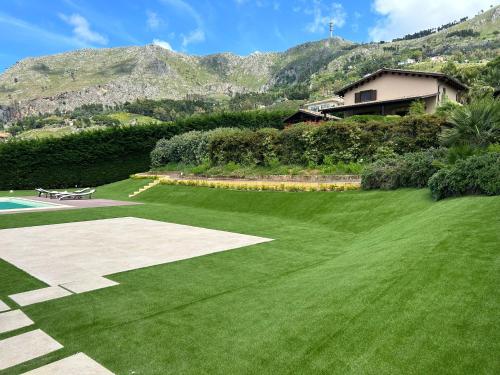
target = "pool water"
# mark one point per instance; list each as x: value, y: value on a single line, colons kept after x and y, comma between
x: 21, y: 204
x: 7, y: 205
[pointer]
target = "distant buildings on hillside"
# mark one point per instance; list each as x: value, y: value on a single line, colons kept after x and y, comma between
x: 384, y: 92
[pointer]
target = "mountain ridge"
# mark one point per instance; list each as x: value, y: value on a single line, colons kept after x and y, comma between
x: 115, y: 75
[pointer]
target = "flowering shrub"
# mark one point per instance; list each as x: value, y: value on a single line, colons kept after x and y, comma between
x: 263, y: 185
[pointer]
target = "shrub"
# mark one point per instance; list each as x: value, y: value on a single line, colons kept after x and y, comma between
x: 243, y: 147
x: 182, y: 148
x: 476, y: 124
x: 409, y: 170
x: 446, y: 108
x: 414, y: 133
x: 479, y: 174
x: 88, y: 158
x: 313, y: 145
x: 101, y: 156
x: 417, y: 108
x: 263, y: 185
x: 293, y: 144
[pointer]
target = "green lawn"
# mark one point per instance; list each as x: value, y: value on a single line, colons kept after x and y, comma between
x: 355, y: 282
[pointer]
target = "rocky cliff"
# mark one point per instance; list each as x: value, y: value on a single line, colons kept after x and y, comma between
x: 110, y: 76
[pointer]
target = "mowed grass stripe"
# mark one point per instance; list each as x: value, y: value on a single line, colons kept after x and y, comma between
x: 377, y: 282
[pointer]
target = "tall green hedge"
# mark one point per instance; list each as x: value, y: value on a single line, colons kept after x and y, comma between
x: 89, y: 158
x: 338, y: 141
x: 93, y: 158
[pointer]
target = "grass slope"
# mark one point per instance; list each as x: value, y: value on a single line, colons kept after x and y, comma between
x: 356, y: 282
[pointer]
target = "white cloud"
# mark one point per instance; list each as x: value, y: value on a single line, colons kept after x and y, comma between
x: 195, y: 36
x: 409, y: 16
x: 38, y: 34
x: 183, y: 7
x: 162, y: 44
x: 275, y: 5
x: 153, y: 21
x: 322, y: 14
x: 81, y: 29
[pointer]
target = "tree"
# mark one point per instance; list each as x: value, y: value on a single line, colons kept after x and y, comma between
x: 476, y: 124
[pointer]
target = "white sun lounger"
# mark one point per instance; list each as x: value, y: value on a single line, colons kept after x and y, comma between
x: 54, y: 193
x: 77, y: 195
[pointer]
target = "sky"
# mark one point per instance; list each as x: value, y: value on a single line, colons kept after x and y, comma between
x: 41, y: 27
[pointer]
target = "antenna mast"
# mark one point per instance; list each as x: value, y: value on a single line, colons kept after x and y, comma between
x: 331, y: 29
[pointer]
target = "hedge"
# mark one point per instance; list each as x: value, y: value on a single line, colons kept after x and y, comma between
x: 339, y: 141
x: 478, y: 174
x: 92, y: 158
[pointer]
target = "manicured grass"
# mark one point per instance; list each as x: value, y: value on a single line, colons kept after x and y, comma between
x: 355, y: 282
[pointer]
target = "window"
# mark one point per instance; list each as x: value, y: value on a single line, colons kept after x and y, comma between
x: 365, y: 96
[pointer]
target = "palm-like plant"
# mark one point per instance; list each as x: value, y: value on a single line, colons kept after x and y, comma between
x: 476, y: 124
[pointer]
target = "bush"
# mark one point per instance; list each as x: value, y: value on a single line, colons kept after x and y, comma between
x: 311, y: 145
x: 409, y: 170
x: 182, y: 148
x: 87, y: 158
x: 97, y: 157
x: 476, y: 124
x: 243, y: 147
x: 479, y: 174
x: 414, y: 133
x: 417, y: 108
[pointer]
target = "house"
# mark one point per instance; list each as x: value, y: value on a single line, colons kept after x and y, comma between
x: 318, y: 106
x: 407, y: 62
x: 4, y: 136
x: 305, y: 115
x: 312, y: 111
x: 391, y: 92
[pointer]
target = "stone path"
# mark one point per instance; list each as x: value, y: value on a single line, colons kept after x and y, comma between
x: 78, y: 364
x: 74, y: 257
x: 39, y: 295
x: 3, y: 306
x: 15, y: 319
x: 86, y: 285
x: 26, y: 346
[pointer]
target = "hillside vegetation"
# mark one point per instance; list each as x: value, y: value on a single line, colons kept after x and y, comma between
x: 111, y: 76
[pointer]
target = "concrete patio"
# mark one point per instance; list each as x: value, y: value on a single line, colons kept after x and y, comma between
x: 74, y: 257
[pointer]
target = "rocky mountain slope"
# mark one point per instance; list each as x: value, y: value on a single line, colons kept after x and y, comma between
x: 110, y: 76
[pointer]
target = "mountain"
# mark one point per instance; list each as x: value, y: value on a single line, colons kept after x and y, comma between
x: 111, y: 76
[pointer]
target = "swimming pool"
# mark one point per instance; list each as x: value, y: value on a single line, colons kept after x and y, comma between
x: 22, y: 204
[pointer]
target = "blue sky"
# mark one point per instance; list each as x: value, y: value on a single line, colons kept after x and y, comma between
x: 41, y: 27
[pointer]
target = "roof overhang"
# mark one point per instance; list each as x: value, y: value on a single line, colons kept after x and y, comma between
x: 316, y: 115
x: 376, y: 103
x: 440, y: 76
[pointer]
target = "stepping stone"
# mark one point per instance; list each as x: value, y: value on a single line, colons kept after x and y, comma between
x: 39, y: 295
x: 24, y: 347
x: 3, y: 306
x: 12, y: 320
x: 79, y: 363
x: 89, y: 284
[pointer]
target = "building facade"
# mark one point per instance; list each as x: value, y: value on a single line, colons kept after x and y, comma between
x: 391, y: 92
